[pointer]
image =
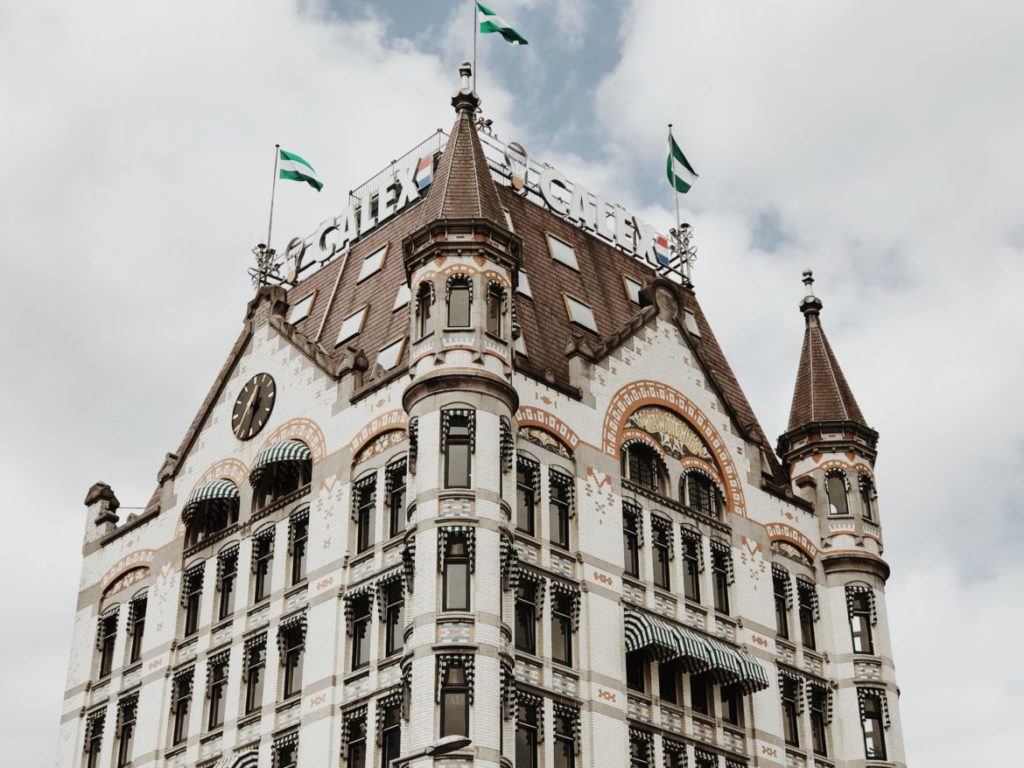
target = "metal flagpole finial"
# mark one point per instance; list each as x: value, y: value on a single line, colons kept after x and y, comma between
x: 266, y: 266
x: 682, y: 247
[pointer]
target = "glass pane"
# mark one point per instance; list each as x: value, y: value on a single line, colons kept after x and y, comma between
x: 456, y: 586
x: 457, y: 465
x: 458, y: 306
x: 454, y: 714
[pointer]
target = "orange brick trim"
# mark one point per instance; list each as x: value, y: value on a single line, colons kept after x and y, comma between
x: 386, y: 422
x: 790, y: 535
x: 636, y: 395
x: 139, y: 560
x: 300, y: 429
x: 859, y: 467
x: 225, y: 469
x: 529, y: 416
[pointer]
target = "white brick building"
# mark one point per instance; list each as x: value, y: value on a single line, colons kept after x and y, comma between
x: 476, y: 468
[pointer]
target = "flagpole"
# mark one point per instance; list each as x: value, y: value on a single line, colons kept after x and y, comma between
x: 273, y: 189
x: 476, y: 29
x: 672, y: 163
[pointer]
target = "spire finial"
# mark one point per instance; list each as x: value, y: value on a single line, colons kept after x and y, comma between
x: 465, y: 99
x: 811, y: 304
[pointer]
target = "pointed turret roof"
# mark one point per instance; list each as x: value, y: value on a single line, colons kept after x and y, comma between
x: 463, y: 187
x: 822, y: 393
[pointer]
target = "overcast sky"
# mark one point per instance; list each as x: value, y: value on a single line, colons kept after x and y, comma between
x: 880, y: 143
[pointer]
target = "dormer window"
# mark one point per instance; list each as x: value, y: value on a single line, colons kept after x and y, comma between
x: 402, y: 297
x: 388, y: 357
x: 301, y: 308
x: 351, y: 326
x: 562, y: 252
x: 632, y: 289
x: 460, y: 301
x: 835, y: 489
x: 372, y: 264
x: 580, y: 313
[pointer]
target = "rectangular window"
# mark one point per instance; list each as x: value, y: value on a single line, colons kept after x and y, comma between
x: 126, y: 711
x: 228, y: 575
x: 108, y: 635
x: 394, y: 624
x: 780, y: 588
x: 558, y: 507
x: 218, y: 685
x: 300, y: 540
x: 263, y: 557
x: 193, y: 598
x: 456, y: 574
x: 389, y: 356
x: 667, y: 682
x: 360, y: 632
x: 661, y: 545
x: 457, y: 451
x: 286, y: 755
x: 819, y: 736
x: 691, y: 567
x: 137, y: 629
x: 424, y: 302
x: 402, y: 297
x: 454, y: 702
x: 700, y: 699
x: 495, y: 298
x: 351, y: 326
x: 720, y: 568
x: 807, y: 597
x: 874, y: 738
x: 631, y: 540
x: 459, y: 304
x: 255, y: 668
x: 526, y: 616
x: 790, y: 717
x: 526, y: 494
x: 391, y: 737
x: 732, y: 705
x: 565, y: 740
x: 860, y: 623
x: 180, y: 701
x: 835, y: 490
x: 294, y: 649
x: 94, y: 740
x: 526, y: 736
x: 395, y: 482
x: 636, y: 672
x: 633, y: 288
x: 639, y: 752
x: 867, y: 495
x: 579, y: 313
x: 366, y: 503
x: 300, y: 309
x: 356, y: 754
x: 562, y: 252
x: 561, y: 627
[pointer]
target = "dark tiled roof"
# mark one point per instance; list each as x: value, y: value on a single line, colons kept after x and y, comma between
x: 822, y: 392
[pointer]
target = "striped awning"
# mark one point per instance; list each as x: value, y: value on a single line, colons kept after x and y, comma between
x: 283, y: 452
x: 215, y: 490
x: 670, y: 642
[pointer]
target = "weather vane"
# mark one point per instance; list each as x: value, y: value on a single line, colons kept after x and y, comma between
x: 682, y: 246
x: 266, y: 265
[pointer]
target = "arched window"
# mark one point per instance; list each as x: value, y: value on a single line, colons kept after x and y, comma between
x: 460, y: 301
x: 280, y: 470
x: 699, y: 492
x: 642, y: 465
x: 424, y: 301
x: 867, y: 496
x: 495, y: 308
x: 836, y: 486
x: 210, y: 509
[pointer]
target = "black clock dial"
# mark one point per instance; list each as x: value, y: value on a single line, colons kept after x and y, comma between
x: 253, y: 406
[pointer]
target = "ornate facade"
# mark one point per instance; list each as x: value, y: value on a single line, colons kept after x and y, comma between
x: 483, y: 473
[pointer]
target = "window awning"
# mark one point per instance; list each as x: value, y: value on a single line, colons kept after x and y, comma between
x: 667, y: 641
x: 283, y: 452
x: 215, y: 490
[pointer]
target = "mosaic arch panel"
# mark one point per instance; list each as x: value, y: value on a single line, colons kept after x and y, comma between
x: 538, y: 423
x: 130, y: 569
x: 859, y: 467
x: 305, y: 430
x: 389, y: 421
x: 641, y: 394
x: 225, y: 469
x: 787, y: 534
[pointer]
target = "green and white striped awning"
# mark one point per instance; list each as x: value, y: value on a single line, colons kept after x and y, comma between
x: 284, y: 452
x: 215, y: 490
x: 667, y: 641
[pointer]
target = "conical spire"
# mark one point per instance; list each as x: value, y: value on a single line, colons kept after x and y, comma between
x: 822, y: 393
x: 463, y: 187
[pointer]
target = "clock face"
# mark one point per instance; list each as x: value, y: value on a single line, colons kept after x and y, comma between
x: 253, y: 406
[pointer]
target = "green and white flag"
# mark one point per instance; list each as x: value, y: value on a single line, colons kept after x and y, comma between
x: 678, y: 169
x: 492, y: 22
x: 295, y: 168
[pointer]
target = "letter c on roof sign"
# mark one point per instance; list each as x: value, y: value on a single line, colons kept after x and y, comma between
x: 548, y: 178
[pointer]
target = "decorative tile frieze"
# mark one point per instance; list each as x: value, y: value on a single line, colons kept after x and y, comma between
x: 638, y: 709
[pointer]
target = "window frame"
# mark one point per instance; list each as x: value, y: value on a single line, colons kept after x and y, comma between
x: 561, y: 616
x: 781, y: 610
x: 394, y: 615
x: 453, y: 563
x: 125, y: 736
x: 876, y: 734
x: 494, y: 301
x: 362, y: 312
x: 366, y: 510
x: 362, y: 616
x: 790, y: 712
x: 294, y: 652
x: 526, y: 616
x: 860, y: 617
x: 263, y: 567
x: 181, y: 705
x: 137, y: 628
x: 226, y: 583
x: 108, y: 641
x: 395, y: 479
x: 462, y: 284
x: 391, y: 726
x: 661, y: 555
x: 382, y: 252
x: 569, y: 259
x: 424, y: 311
x: 527, y: 492
x: 844, y: 483
x: 255, y: 679
x: 527, y: 723
x: 631, y: 526
x: 218, y: 687
x: 559, y: 510
x: 463, y: 443
x: 584, y: 316
x: 450, y: 689
x: 299, y: 550
x: 720, y: 580
x: 691, y: 567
